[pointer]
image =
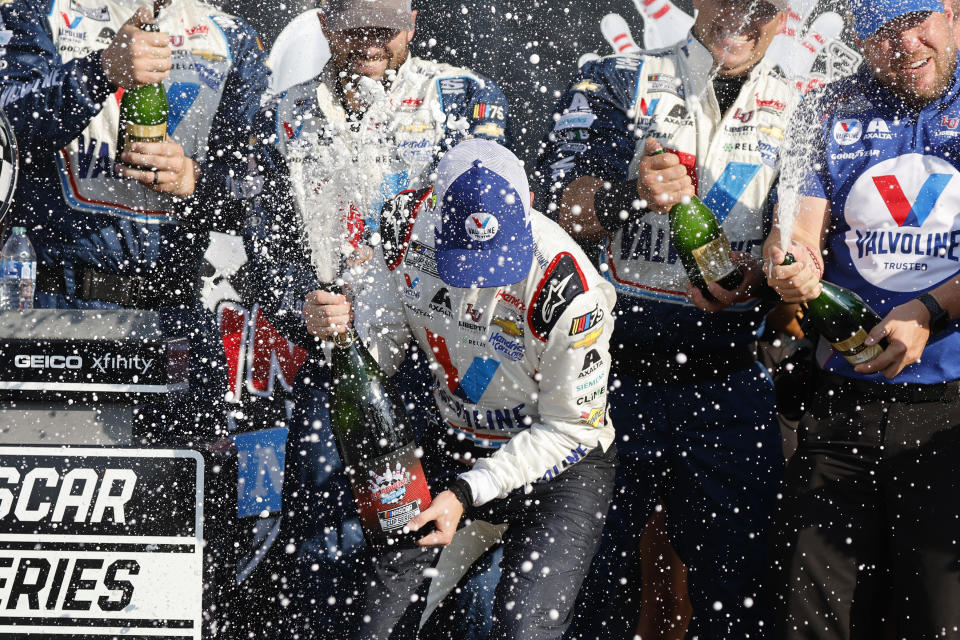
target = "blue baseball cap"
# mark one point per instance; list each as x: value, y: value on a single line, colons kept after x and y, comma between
x: 870, y: 15
x: 483, y: 236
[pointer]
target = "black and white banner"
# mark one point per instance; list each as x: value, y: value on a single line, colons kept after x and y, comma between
x: 100, y: 542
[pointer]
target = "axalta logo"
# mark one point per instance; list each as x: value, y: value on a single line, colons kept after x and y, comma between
x: 38, y: 361
x: 847, y: 131
x: 878, y: 130
x: 904, y: 234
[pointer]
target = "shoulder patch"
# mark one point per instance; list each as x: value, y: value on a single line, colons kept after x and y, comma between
x: 451, y: 91
x: 562, y: 282
x: 396, y: 223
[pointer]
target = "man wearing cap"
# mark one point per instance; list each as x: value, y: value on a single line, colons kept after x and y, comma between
x: 515, y: 324
x: 870, y: 519
x: 694, y: 410
x: 372, y: 123
x: 338, y: 146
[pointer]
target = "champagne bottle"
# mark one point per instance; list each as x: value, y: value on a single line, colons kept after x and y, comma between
x: 376, y: 445
x: 143, y: 112
x: 844, y: 319
x: 703, y: 246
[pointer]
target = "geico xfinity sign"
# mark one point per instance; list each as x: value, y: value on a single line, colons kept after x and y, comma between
x: 100, y: 543
x: 38, y: 361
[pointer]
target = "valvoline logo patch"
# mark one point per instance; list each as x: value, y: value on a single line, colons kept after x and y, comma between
x: 847, y: 131
x: 904, y: 229
x: 482, y: 227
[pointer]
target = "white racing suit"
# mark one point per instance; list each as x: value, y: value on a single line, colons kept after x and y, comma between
x: 339, y: 170
x: 520, y: 375
x: 324, y: 182
x: 520, y: 371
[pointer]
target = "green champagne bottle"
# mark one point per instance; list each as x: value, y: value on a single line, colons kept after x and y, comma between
x: 143, y: 112
x: 844, y: 319
x: 376, y: 445
x: 703, y: 246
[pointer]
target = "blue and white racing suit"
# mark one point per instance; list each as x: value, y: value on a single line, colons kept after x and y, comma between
x: 81, y: 217
x: 690, y: 426
x: 327, y: 173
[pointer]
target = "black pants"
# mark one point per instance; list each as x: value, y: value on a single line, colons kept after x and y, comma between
x: 553, y: 534
x: 869, y: 524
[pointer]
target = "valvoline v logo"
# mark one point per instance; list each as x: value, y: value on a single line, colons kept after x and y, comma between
x: 847, y: 131
x: 411, y: 291
x: 904, y: 232
x: 71, y: 24
x: 647, y: 108
x: 474, y: 382
x: 903, y: 212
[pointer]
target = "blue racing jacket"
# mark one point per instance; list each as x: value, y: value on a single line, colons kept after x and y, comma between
x: 66, y: 113
x: 890, y: 174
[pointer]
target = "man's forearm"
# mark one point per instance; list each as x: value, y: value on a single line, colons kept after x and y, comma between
x: 577, y: 215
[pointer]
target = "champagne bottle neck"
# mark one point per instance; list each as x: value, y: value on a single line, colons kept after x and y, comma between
x: 346, y: 339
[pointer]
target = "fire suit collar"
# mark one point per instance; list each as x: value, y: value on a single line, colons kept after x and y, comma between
x: 698, y: 71
x: 699, y: 63
x: 134, y: 4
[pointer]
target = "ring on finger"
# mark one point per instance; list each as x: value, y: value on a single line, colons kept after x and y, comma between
x: 156, y: 177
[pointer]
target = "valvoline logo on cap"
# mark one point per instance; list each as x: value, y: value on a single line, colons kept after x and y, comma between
x: 482, y: 226
x: 484, y: 237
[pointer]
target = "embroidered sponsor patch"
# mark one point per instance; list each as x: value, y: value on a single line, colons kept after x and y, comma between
x: 562, y: 282
x: 594, y: 418
x: 586, y: 321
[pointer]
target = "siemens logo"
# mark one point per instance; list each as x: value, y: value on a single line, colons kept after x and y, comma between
x: 24, y: 361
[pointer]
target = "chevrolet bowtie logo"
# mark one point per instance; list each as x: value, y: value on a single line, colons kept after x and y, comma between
x: 208, y: 55
x: 509, y: 327
x: 586, y: 85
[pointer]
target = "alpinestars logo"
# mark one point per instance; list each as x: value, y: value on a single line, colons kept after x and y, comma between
x: 554, y: 298
x: 562, y: 282
x: 391, y: 487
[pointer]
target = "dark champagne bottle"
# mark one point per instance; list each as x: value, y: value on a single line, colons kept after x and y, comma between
x: 143, y: 112
x: 376, y: 445
x: 844, y: 319
x: 703, y: 246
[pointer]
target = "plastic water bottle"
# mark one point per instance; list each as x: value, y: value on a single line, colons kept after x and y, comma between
x: 18, y: 272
